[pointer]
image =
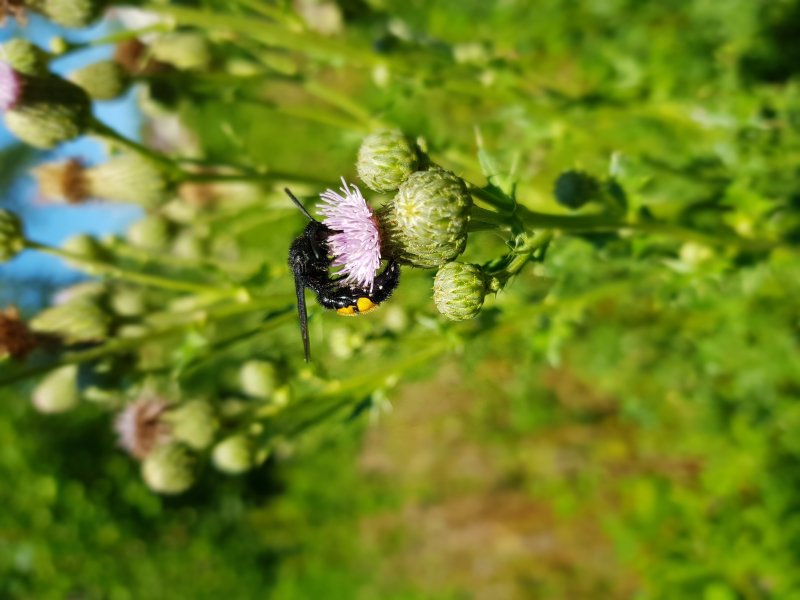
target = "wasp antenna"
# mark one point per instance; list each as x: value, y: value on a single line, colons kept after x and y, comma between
x: 298, y: 204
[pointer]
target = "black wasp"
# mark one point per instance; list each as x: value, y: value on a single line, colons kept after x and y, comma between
x: 310, y: 261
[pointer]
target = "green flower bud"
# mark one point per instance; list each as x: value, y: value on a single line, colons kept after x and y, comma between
x: 428, y: 218
x: 153, y: 232
x: 129, y: 178
x: 168, y: 469
x: 129, y: 301
x: 386, y: 159
x: 59, y: 46
x: 258, y: 379
x: 189, y: 245
x: 184, y: 51
x: 103, y: 80
x: 573, y: 189
x: 12, y: 241
x: 193, y: 423
x: 85, y: 246
x: 25, y: 57
x: 92, y: 290
x: 79, y: 320
x: 71, y: 13
x: 459, y: 290
x: 58, y: 391
x: 234, y: 455
x: 51, y: 111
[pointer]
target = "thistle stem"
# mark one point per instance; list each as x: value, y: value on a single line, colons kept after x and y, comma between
x: 250, y: 177
x: 340, y: 394
x: 116, y: 272
x: 270, y: 34
x: 103, y: 130
x: 590, y: 224
x: 120, y: 345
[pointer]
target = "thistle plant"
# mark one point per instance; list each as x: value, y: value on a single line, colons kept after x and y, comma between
x: 196, y: 297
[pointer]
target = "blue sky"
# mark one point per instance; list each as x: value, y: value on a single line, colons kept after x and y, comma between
x: 49, y: 223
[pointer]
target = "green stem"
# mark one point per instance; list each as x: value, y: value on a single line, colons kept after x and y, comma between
x: 339, y: 394
x: 271, y: 12
x: 251, y: 177
x: 339, y: 100
x: 488, y: 217
x: 104, y: 130
x: 591, y: 224
x: 501, y: 203
x: 170, y: 260
x: 315, y: 115
x: 270, y: 34
x: 116, y: 272
x: 120, y: 345
x: 127, y: 34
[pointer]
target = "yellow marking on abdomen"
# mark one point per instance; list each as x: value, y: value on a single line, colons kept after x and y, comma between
x: 347, y: 311
x: 365, y: 305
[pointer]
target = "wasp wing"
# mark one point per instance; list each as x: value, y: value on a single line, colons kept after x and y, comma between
x: 300, y: 289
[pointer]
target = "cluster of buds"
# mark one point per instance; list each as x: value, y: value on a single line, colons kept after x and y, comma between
x: 165, y: 436
x: 426, y: 223
x: 169, y: 437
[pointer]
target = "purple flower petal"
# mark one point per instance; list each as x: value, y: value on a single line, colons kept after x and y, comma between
x: 356, y: 241
x: 10, y: 86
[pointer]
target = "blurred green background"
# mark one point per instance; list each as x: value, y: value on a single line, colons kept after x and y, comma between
x: 633, y: 433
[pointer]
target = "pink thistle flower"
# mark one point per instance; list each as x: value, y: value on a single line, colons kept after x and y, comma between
x: 10, y: 86
x: 140, y: 428
x: 356, y: 241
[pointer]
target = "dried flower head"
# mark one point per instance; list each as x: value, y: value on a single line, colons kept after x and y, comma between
x: 356, y: 241
x: 62, y: 181
x: 14, y: 9
x: 16, y: 339
x: 140, y: 428
x: 10, y: 86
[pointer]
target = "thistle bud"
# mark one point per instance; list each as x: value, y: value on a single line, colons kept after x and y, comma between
x: 150, y: 233
x: 428, y: 218
x: 71, y: 13
x: 234, y: 455
x: 459, y: 290
x: 168, y: 469
x: 79, y: 320
x: 184, y: 51
x: 188, y: 244
x: 85, y: 246
x: 129, y: 301
x: 258, y: 379
x: 58, y: 391
x: 193, y: 423
x: 128, y: 178
x: 573, y: 189
x: 12, y: 241
x: 386, y: 159
x: 25, y: 57
x: 49, y: 112
x: 103, y: 80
